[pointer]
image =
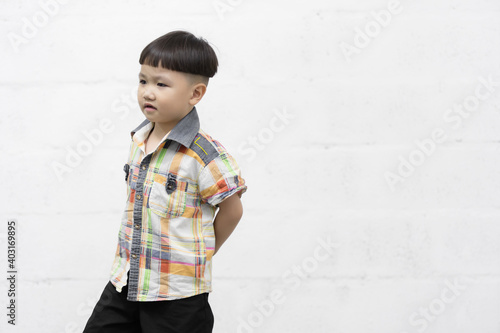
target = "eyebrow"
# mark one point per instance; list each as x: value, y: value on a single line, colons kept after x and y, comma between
x: 156, y: 77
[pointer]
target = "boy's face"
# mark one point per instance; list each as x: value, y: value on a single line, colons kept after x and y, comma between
x: 171, y: 94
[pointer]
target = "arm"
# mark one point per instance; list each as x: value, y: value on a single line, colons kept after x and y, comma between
x: 228, y: 216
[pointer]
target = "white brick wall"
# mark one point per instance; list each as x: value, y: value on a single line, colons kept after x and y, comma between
x: 317, y: 177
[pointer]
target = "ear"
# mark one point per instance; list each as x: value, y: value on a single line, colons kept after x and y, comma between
x: 197, y: 92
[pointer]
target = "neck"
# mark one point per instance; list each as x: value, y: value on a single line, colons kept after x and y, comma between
x: 160, y: 129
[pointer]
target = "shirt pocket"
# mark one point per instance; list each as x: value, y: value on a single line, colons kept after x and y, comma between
x: 170, y: 195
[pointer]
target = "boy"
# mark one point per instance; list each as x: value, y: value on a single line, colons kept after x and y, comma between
x: 176, y: 176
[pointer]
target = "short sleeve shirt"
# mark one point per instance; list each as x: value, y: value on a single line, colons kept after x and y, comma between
x: 166, y: 238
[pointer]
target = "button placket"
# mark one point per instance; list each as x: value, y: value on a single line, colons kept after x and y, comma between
x: 135, y: 249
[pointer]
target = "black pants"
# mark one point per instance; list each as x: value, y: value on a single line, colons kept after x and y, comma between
x: 113, y: 313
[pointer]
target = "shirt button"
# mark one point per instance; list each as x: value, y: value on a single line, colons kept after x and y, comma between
x: 134, y: 256
x: 138, y: 197
x: 137, y: 226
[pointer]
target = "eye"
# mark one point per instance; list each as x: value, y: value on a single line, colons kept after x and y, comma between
x: 142, y: 81
x: 162, y: 85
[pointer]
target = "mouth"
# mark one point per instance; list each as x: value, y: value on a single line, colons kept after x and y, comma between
x: 149, y: 107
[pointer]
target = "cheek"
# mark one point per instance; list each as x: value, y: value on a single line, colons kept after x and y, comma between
x: 165, y: 97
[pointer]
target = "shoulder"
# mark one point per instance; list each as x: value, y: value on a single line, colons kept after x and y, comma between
x: 206, y: 147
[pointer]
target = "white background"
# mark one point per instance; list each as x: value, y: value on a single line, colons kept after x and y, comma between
x: 422, y: 254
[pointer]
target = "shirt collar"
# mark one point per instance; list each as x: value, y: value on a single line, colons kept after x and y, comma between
x: 183, y: 132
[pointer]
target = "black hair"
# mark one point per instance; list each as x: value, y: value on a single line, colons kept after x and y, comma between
x: 181, y: 51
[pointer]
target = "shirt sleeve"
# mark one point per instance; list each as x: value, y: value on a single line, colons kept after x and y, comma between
x: 220, y: 179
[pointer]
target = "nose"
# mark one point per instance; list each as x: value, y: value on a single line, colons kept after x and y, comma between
x: 147, y: 94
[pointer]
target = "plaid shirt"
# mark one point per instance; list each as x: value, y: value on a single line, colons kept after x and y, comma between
x: 166, y: 238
